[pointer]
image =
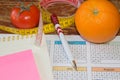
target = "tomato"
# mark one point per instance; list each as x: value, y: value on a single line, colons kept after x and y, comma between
x: 25, y: 18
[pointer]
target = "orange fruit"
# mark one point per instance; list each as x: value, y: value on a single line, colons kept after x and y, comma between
x: 97, y: 21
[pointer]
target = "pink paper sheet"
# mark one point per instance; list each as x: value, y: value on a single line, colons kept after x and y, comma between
x: 18, y: 66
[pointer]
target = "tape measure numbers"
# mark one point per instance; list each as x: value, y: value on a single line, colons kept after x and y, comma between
x: 47, y: 28
x: 46, y: 18
x: 19, y: 31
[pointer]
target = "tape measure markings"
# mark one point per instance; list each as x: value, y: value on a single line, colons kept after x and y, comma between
x: 47, y: 28
x: 65, y: 22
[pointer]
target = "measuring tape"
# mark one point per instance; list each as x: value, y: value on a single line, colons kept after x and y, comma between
x: 18, y: 31
x: 46, y: 17
x: 47, y: 28
x: 66, y: 68
x: 65, y: 22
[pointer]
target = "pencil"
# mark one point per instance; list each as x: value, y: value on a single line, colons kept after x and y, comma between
x: 55, y: 21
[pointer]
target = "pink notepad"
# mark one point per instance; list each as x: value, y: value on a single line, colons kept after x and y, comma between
x: 18, y: 66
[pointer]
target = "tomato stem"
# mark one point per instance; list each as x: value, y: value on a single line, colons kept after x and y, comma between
x: 24, y: 7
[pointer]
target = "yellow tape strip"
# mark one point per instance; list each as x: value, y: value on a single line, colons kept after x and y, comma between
x: 18, y: 31
x: 47, y: 28
x: 46, y: 17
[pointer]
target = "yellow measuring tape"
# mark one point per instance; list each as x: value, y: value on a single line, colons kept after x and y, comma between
x: 47, y: 28
x: 66, y: 68
x: 18, y: 31
x: 65, y: 22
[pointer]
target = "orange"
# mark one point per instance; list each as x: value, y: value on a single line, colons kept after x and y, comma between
x: 97, y: 21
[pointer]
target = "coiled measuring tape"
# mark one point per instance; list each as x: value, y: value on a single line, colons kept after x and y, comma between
x: 65, y: 22
x: 47, y: 28
x: 46, y: 18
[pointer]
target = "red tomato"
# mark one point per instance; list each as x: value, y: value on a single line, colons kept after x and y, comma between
x: 26, y: 19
